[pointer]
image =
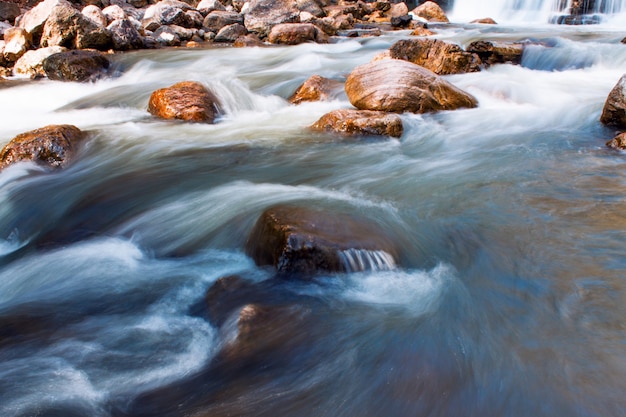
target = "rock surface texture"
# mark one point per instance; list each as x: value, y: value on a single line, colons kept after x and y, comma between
x: 317, y: 88
x: 399, y: 86
x: 52, y: 145
x: 187, y: 100
x: 438, y: 56
x: 431, y: 11
x: 81, y: 66
x: 360, y: 122
x: 614, y: 111
x: 298, y: 240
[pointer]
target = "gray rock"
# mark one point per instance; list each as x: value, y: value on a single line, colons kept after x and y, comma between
x: 231, y: 33
x: 216, y: 20
x: 262, y: 15
x: 125, y: 36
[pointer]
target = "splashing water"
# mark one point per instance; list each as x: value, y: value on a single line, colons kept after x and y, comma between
x: 359, y: 260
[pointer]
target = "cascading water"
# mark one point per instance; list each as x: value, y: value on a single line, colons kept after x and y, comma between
x: 542, y: 11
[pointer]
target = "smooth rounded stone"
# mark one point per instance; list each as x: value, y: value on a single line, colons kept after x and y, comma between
x: 231, y: 33
x: 125, y: 35
x: 52, y: 145
x: 94, y: 14
x: 399, y: 86
x: 492, y: 53
x: 614, y: 110
x: 113, y: 13
x: 207, y: 6
x: 67, y: 27
x: 17, y: 41
x: 398, y: 10
x: 226, y: 294
x: 302, y: 241
x: 247, y: 41
x: 262, y: 15
x: 9, y: 11
x: 34, y: 19
x: 431, y: 11
x: 618, y: 142
x: 360, y: 123
x: 438, y: 56
x: 31, y: 63
x: 188, y: 101
x: 296, y: 33
x: 81, y: 66
x: 484, y: 21
x: 216, y: 20
x: 317, y: 88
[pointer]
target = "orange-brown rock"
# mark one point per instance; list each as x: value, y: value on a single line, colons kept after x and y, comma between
x: 485, y: 21
x: 431, y: 12
x: 397, y: 10
x: 296, y: 33
x: 438, y: 56
x: 52, y: 145
x: 303, y: 241
x: 399, y: 86
x: 421, y: 31
x: 316, y: 88
x: 360, y: 123
x: 187, y: 100
x: 248, y: 40
x: 614, y: 111
x: 618, y: 142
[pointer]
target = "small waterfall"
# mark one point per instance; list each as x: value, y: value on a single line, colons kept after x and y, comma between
x: 358, y: 260
x: 534, y: 10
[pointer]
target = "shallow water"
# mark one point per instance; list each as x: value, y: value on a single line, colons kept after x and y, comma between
x: 507, y: 297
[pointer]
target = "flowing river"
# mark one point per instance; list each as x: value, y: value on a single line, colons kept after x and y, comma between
x: 509, y: 294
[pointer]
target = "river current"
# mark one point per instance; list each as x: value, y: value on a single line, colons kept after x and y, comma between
x: 509, y: 295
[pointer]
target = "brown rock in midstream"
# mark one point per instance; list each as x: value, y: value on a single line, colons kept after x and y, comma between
x: 52, y: 145
x: 360, y: 122
x: 303, y: 241
x: 316, y: 88
x: 187, y: 100
x: 399, y: 86
x: 618, y: 142
x: 438, y: 56
x: 614, y: 111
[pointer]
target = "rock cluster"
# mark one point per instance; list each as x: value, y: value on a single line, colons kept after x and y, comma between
x: 123, y: 25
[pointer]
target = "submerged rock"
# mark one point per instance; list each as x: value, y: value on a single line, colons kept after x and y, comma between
x: 188, y: 100
x: 52, y: 145
x: 438, y: 56
x: 316, y: 88
x: 81, y: 66
x: 614, y: 111
x: 399, y: 86
x: 485, y: 21
x: 618, y: 142
x: 298, y: 240
x: 360, y: 122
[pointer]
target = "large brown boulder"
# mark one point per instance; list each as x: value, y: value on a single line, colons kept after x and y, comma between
x: 614, y: 111
x: 431, y: 12
x: 492, y: 53
x: 298, y: 240
x: 81, y: 66
x: 438, y: 56
x: 399, y: 86
x: 187, y: 100
x: 262, y: 15
x: 317, y: 88
x: 53, y: 146
x: 296, y: 33
x: 67, y: 27
x: 360, y: 122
